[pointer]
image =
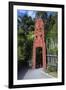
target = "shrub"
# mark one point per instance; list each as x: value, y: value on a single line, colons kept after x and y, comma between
x: 52, y: 68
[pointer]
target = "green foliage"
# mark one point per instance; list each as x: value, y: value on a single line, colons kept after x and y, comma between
x: 53, y: 51
x: 52, y: 68
x: 25, y: 37
x: 40, y: 14
x: 52, y: 35
x: 25, y: 34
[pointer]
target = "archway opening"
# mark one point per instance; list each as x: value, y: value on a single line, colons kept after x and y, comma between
x: 39, y: 57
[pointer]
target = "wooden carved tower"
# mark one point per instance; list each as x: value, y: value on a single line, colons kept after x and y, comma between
x: 39, y: 41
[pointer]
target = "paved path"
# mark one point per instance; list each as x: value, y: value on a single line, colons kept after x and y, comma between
x: 35, y: 74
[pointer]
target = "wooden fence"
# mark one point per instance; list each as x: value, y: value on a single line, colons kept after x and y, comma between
x: 52, y: 60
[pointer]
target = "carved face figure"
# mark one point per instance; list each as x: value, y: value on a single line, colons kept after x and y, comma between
x: 39, y: 24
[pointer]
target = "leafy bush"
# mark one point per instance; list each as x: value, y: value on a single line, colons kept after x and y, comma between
x: 52, y: 68
x: 53, y: 51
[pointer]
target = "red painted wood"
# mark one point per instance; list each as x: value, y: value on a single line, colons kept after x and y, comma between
x: 39, y: 41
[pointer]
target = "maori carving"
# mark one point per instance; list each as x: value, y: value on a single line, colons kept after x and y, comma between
x: 39, y: 41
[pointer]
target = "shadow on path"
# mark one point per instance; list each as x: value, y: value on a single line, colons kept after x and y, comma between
x: 22, y: 70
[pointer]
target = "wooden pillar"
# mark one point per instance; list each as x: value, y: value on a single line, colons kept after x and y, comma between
x: 44, y: 56
x: 34, y: 57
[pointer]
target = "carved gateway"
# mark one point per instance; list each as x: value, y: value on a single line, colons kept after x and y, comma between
x: 39, y: 41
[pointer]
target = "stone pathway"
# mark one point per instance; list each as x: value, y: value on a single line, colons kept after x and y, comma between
x: 36, y: 74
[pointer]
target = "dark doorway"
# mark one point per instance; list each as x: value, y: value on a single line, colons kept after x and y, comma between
x: 38, y: 57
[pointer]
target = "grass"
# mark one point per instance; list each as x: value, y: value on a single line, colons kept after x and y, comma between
x: 51, y: 70
x: 54, y: 74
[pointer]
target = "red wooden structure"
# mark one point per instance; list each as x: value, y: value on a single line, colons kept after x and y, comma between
x: 39, y: 41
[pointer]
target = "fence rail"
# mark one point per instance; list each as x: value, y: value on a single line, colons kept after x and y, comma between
x: 52, y: 60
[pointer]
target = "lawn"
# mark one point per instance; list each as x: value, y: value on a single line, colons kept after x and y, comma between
x: 51, y: 70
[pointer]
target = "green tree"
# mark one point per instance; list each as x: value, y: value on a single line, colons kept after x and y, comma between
x: 25, y: 37
x: 52, y: 35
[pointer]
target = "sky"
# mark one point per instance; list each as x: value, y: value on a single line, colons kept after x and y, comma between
x: 21, y: 12
x: 29, y: 13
